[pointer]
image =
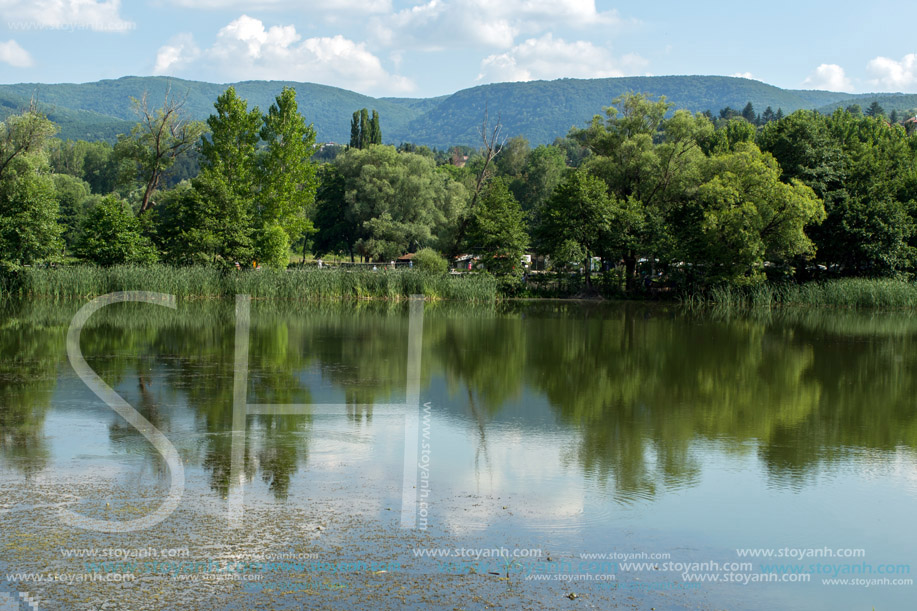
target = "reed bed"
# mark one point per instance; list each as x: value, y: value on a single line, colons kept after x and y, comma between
x: 212, y: 283
x: 882, y: 293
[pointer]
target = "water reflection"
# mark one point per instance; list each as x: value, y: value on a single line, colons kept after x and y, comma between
x: 632, y: 390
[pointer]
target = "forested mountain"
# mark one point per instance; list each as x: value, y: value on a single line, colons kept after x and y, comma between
x: 538, y: 110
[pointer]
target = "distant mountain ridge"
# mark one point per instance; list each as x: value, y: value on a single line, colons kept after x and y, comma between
x: 538, y: 110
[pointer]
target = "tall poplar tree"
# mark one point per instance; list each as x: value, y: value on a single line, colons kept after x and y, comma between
x: 364, y: 129
x: 375, y: 129
x: 355, y: 130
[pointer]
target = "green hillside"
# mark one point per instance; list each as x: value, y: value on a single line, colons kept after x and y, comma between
x: 543, y: 110
x: 539, y: 110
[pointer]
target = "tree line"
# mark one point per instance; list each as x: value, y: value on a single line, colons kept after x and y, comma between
x: 641, y: 191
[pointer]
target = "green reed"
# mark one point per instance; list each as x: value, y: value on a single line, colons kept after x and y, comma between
x: 211, y: 283
x: 882, y: 293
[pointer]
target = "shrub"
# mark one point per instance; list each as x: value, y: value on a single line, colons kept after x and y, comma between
x: 428, y: 260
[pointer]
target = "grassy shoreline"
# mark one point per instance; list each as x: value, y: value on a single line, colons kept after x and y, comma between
x: 214, y: 283
x: 313, y: 284
x: 852, y: 293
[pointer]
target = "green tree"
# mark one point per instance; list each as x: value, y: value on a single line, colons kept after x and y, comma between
x: 336, y: 231
x: 73, y: 198
x: 375, y: 129
x: 875, y: 110
x: 651, y: 165
x: 365, y: 129
x: 748, y: 113
x: 510, y: 163
x: 29, y: 228
x: 112, y: 235
x: 576, y: 219
x: 355, y: 130
x: 497, y: 230
x: 92, y: 162
x: 863, y: 172
x: 742, y: 216
x: 287, y: 176
x: 383, y: 203
x: 226, y: 187
x: 162, y: 136
x: 545, y: 167
x: 273, y: 247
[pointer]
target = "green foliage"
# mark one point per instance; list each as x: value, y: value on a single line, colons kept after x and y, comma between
x: 544, y: 168
x: 375, y: 133
x: 243, y: 194
x: 273, y: 247
x: 875, y: 110
x: 382, y: 204
x: 223, y: 192
x: 428, y: 260
x: 743, y: 216
x: 111, y: 235
x: 498, y: 230
x: 29, y: 228
x: 365, y: 130
x: 576, y: 219
x: 287, y: 179
x: 161, y: 137
x: 74, y: 201
x: 863, y: 169
x: 92, y: 162
x: 335, y: 232
x: 355, y: 130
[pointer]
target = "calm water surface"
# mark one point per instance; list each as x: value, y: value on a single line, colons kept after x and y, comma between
x: 653, y: 435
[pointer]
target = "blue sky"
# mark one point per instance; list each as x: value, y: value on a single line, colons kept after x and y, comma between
x: 431, y: 47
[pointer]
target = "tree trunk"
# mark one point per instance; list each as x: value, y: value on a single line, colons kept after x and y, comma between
x: 630, y: 270
x: 146, y: 203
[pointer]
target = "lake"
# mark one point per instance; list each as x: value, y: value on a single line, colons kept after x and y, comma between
x: 408, y: 455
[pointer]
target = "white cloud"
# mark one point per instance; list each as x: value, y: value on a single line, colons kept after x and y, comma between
x: 246, y: 49
x: 437, y: 24
x: 747, y: 75
x: 363, y: 6
x: 14, y: 55
x: 549, y: 58
x: 891, y: 75
x: 176, y: 55
x: 829, y: 77
x: 97, y: 15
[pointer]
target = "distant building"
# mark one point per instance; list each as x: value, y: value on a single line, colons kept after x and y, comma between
x: 911, y: 125
x: 459, y: 160
x: 466, y: 262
